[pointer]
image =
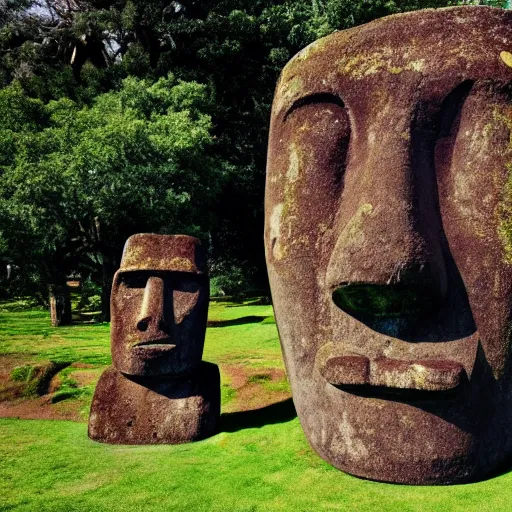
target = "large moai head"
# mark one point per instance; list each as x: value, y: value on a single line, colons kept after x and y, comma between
x: 389, y: 243
x: 159, y: 306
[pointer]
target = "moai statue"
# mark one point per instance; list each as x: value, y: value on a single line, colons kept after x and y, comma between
x: 388, y: 240
x: 158, y: 390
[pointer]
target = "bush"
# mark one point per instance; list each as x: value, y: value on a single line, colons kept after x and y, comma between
x: 233, y: 280
x: 90, y: 296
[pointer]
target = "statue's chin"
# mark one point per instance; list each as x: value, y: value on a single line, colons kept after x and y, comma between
x: 392, y: 439
x: 412, y: 422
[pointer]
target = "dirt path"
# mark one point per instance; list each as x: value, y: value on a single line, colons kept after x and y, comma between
x: 251, y: 389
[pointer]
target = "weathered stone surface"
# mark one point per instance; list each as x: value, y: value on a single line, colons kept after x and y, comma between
x: 388, y: 242
x: 151, y: 252
x: 157, y: 410
x: 159, y: 306
x: 158, y: 391
x: 429, y: 375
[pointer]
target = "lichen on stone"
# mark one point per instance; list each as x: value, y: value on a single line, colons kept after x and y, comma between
x: 353, y: 229
x: 506, y: 57
x: 362, y: 65
x: 182, y: 264
x: 289, y: 88
x: 505, y: 206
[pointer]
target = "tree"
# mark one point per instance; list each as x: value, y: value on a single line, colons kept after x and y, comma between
x: 78, y: 49
x: 85, y: 178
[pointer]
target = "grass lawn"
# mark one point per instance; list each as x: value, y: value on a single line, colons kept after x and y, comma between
x: 259, y: 461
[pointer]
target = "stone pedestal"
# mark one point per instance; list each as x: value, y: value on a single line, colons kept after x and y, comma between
x: 155, y: 410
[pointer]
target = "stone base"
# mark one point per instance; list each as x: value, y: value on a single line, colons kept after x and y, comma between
x: 163, y: 410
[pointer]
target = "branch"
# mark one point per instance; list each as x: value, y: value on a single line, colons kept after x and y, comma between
x: 48, y: 6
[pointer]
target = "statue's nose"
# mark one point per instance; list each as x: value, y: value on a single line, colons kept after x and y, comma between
x: 386, y: 276
x: 151, y: 317
x: 388, y: 260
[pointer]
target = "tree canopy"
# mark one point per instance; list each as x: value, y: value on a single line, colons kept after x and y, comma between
x: 78, y: 180
x: 121, y: 116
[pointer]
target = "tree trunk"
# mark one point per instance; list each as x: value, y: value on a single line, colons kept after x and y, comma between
x: 106, y: 288
x: 105, y: 300
x: 60, y: 305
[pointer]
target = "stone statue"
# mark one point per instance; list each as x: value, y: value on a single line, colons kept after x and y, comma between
x: 158, y: 390
x: 388, y: 238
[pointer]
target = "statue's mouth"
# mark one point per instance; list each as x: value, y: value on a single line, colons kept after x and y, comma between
x: 384, y: 376
x: 156, y: 344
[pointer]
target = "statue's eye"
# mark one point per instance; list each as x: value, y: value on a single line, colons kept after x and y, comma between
x: 134, y: 279
x: 433, y: 121
x: 320, y: 100
x: 186, y: 290
x: 319, y: 119
x: 450, y: 109
x: 186, y: 283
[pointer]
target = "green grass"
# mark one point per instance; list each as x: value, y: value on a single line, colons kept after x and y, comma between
x: 29, y: 334
x: 53, y: 466
x: 246, y: 337
x: 70, y: 388
x: 260, y: 460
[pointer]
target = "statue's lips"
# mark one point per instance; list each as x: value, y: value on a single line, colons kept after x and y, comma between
x: 355, y: 371
x: 158, y: 344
